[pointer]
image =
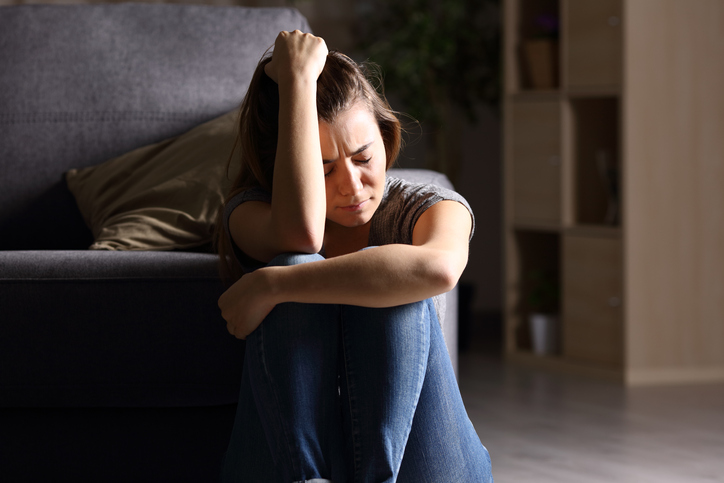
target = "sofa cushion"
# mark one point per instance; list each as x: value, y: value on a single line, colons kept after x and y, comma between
x: 164, y: 196
x: 114, y: 329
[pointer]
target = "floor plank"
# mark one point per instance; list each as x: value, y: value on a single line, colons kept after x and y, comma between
x: 542, y: 427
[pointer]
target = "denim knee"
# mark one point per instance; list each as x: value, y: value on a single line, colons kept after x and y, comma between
x: 288, y: 259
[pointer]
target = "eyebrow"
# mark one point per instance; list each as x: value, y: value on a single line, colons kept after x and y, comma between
x: 360, y: 150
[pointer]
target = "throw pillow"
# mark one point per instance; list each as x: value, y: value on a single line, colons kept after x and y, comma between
x: 159, y: 197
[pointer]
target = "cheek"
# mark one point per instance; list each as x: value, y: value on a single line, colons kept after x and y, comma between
x: 382, y: 156
x: 328, y: 189
x: 381, y: 171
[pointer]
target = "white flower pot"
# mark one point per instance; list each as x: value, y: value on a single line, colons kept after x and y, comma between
x: 545, y: 333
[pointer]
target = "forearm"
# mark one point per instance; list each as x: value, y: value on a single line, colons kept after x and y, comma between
x: 298, y: 197
x: 381, y: 277
x: 384, y: 276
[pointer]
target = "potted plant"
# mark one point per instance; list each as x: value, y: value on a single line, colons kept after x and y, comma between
x: 540, y: 53
x: 439, y: 57
x: 543, y: 309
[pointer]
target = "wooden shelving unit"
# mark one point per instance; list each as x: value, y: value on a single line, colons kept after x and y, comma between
x: 614, y: 184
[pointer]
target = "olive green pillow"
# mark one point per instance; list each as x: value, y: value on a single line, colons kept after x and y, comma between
x: 159, y: 197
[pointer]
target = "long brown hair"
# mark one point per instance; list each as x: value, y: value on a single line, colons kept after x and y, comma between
x: 342, y: 83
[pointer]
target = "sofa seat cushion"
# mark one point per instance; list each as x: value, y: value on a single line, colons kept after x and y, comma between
x: 114, y: 329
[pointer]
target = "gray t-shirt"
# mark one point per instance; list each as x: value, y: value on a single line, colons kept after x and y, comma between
x: 394, y: 221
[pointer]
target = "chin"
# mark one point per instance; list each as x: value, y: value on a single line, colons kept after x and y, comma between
x: 350, y: 222
x: 353, y: 224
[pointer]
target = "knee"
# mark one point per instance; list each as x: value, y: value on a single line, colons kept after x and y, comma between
x: 288, y: 259
x: 423, y: 309
x: 401, y: 319
x: 419, y: 312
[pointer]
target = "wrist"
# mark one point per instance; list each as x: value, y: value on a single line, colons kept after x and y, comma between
x: 296, y: 82
x: 298, y: 98
x: 271, y: 281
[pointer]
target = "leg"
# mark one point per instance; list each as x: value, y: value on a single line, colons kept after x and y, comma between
x: 443, y: 444
x: 385, y: 359
x: 404, y: 417
x: 291, y: 365
x: 248, y: 458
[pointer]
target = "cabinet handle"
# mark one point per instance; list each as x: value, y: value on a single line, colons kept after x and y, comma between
x: 614, y: 302
x: 614, y: 21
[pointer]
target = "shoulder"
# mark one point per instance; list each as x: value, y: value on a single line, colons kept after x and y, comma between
x: 403, y: 204
x: 247, y: 263
x: 250, y: 194
x: 408, y: 197
x: 400, y: 190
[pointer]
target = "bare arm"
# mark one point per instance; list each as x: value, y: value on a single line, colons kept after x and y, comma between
x: 294, y: 222
x: 381, y: 277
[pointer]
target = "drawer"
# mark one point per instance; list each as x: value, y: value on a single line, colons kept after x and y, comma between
x: 592, y: 299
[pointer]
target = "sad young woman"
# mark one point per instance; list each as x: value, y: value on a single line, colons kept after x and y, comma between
x: 346, y: 375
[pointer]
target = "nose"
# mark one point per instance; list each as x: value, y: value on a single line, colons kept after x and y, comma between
x: 349, y: 180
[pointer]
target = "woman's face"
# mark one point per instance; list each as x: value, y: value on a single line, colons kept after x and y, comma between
x: 354, y: 166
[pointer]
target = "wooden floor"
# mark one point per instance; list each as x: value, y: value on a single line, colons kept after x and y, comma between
x: 541, y: 427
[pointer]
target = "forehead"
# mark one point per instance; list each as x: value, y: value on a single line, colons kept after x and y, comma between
x: 351, y: 125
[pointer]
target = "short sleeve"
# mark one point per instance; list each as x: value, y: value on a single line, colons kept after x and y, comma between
x: 247, y: 263
x: 401, y: 207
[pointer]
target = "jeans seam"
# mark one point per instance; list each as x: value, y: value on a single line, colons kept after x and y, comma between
x: 422, y: 367
x: 421, y: 370
x: 354, y: 421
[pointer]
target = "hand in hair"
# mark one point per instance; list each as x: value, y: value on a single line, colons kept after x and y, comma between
x: 297, y: 55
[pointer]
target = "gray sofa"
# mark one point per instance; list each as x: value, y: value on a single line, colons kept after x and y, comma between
x: 115, y: 366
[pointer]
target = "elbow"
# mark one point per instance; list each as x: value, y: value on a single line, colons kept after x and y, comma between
x: 448, y: 279
x: 302, y: 241
x: 446, y: 275
x: 307, y: 246
x: 298, y: 233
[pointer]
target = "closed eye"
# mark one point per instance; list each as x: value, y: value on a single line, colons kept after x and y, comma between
x: 358, y: 161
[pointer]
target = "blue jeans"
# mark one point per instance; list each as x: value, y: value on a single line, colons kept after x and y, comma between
x: 351, y: 394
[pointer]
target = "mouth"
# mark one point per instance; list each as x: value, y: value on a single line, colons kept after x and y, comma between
x: 355, y: 207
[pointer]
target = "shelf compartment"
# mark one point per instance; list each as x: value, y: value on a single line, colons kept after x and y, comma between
x: 536, y: 31
x: 595, y: 136
x: 537, y: 282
